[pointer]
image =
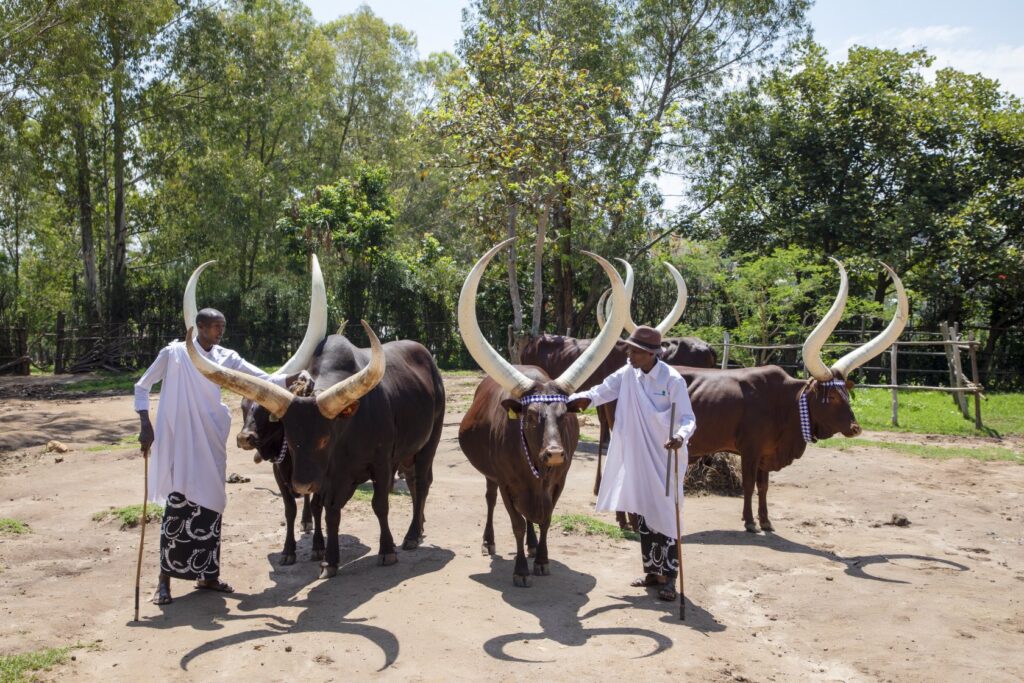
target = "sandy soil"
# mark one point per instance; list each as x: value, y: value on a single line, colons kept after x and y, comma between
x: 835, y: 594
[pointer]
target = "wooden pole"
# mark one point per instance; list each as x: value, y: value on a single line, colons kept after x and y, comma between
x: 972, y: 349
x: 892, y: 379
x: 21, y: 347
x: 944, y: 329
x: 725, y: 352
x: 679, y: 542
x: 58, y: 359
x: 958, y: 370
x: 142, y: 524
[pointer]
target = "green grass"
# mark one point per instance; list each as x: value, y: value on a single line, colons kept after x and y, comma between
x: 124, y: 443
x: 130, y: 515
x: 12, y: 526
x: 461, y: 373
x: 935, y: 413
x: 584, y: 525
x: 364, y: 492
x: 924, y: 451
x: 14, y: 667
x: 107, y: 381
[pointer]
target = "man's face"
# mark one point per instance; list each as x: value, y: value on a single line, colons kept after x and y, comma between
x: 639, y: 358
x: 210, y: 333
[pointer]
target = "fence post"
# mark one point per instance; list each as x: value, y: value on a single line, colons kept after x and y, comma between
x: 946, y: 334
x: 958, y: 369
x: 972, y: 349
x: 58, y: 355
x: 892, y: 380
x: 725, y: 352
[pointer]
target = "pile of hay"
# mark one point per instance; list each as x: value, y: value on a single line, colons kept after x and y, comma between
x: 718, y: 473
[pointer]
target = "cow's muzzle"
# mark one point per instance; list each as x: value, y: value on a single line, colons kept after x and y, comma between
x: 303, y: 489
x: 246, y: 441
x: 855, y: 429
x: 552, y: 456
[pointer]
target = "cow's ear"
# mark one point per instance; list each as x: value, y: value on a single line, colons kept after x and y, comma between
x: 349, y: 410
x: 514, y: 408
x: 850, y: 384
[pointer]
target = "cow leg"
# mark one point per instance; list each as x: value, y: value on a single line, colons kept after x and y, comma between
x: 422, y: 474
x: 387, y: 554
x: 602, y: 444
x: 318, y: 534
x: 288, y: 553
x: 540, y: 564
x: 492, y: 498
x: 762, y: 501
x: 329, y: 567
x: 307, y: 515
x: 748, y: 469
x: 521, y: 573
x: 531, y: 540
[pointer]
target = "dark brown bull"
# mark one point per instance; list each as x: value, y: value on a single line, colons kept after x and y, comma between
x: 755, y: 412
x: 518, y: 432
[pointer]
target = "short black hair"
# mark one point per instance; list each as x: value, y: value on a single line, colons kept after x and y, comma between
x: 209, y: 315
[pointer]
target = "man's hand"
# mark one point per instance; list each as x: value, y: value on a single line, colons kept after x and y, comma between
x: 145, y: 430
x: 674, y: 443
x: 578, y: 405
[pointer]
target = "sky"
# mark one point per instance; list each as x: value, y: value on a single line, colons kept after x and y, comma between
x: 975, y: 36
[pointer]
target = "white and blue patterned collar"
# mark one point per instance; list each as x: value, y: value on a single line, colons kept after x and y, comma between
x: 805, y: 415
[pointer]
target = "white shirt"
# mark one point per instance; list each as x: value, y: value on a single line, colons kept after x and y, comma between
x: 192, y: 425
x: 634, y: 478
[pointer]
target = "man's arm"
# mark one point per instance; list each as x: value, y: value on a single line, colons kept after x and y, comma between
x: 154, y: 374
x: 607, y: 391
x: 236, y: 362
x: 685, y: 418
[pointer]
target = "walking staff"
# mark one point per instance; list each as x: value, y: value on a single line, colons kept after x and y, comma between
x: 142, y: 525
x: 673, y: 461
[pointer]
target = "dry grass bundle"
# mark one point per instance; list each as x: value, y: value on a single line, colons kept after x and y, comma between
x: 718, y: 473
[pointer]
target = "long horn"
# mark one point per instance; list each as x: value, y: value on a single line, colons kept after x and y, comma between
x: 816, y: 339
x: 336, y: 398
x: 628, y: 324
x: 497, y: 368
x: 272, y: 397
x: 677, y: 311
x: 587, y: 363
x: 316, y: 328
x: 188, y: 304
x: 862, y: 354
x: 602, y: 315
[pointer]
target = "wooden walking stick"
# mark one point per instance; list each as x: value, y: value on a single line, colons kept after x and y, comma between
x: 673, y: 464
x: 142, y: 536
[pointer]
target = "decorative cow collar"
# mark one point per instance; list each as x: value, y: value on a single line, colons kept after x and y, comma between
x: 283, y: 452
x: 536, y: 398
x: 805, y: 415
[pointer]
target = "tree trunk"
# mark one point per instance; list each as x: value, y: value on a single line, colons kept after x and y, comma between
x: 515, y: 341
x: 538, y: 264
x: 93, y: 313
x: 119, y: 283
x: 564, y: 279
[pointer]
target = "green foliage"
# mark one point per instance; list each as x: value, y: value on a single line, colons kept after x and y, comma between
x: 130, y: 515
x: 13, y: 668
x: 13, y: 526
x: 984, y: 454
x: 364, y: 493
x: 585, y: 525
x: 935, y: 413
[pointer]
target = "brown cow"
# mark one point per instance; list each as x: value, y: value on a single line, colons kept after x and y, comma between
x: 756, y: 412
x: 518, y: 432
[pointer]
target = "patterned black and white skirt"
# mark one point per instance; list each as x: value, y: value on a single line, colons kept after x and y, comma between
x: 189, y: 540
x: 658, y: 551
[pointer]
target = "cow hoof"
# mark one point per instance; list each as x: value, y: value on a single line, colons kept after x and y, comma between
x: 307, y: 527
x: 287, y: 559
x: 316, y: 555
x: 411, y: 543
x: 488, y: 549
x: 387, y: 559
x: 521, y: 580
x: 767, y: 527
x: 751, y: 528
x: 531, y: 551
x: 541, y: 569
x: 328, y: 571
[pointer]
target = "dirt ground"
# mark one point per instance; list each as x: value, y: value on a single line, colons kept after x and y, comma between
x: 833, y: 595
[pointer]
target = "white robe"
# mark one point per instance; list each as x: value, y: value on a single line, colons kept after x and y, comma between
x: 192, y: 425
x: 634, y: 476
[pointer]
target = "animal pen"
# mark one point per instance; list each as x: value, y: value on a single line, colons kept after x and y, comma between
x: 951, y: 345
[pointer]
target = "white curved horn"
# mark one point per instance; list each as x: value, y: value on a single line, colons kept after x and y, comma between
x: 188, y: 304
x: 677, y: 310
x: 333, y: 400
x: 587, y: 363
x: 816, y: 339
x: 272, y: 397
x: 862, y: 354
x: 600, y: 311
x: 497, y: 368
x: 316, y: 328
x: 628, y: 324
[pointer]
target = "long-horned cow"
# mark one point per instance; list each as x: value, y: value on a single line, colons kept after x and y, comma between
x: 768, y: 417
x: 518, y: 432
x: 362, y: 426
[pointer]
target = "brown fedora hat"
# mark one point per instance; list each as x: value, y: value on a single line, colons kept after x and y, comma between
x: 645, y: 338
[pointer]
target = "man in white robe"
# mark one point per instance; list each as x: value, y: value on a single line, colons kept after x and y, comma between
x: 189, y: 454
x: 634, y: 478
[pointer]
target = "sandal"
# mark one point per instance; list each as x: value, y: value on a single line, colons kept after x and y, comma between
x: 215, y: 585
x: 647, y: 581
x: 162, y: 596
x: 668, y: 593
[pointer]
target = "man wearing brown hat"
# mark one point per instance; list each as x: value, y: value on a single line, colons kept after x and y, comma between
x: 634, y: 479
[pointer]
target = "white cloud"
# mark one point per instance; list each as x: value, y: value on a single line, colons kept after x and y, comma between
x: 915, y: 36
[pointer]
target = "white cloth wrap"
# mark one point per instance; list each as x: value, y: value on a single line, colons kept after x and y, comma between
x: 192, y: 425
x: 634, y: 476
